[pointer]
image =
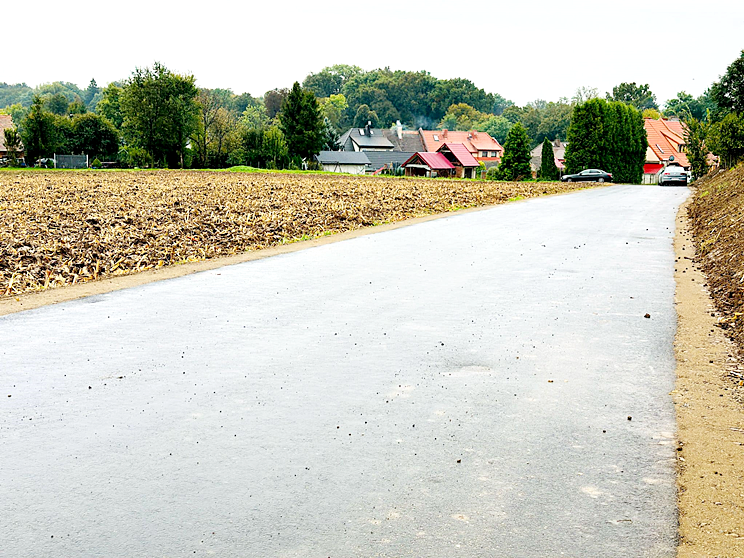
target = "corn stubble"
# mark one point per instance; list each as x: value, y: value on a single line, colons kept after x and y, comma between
x: 61, y: 228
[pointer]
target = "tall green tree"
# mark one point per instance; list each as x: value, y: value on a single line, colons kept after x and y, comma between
x: 726, y: 139
x: 301, y: 123
x: 728, y: 92
x: 697, y: 152
x: 638, y: 96
x: 93, y: 135
x: 548, y: 169
x: 40, y: 136
x: 608, y: 136
x: 515, y: 164
x: 274, y: 149
x: 365, y: 115
x: 160, y: 112
x: 110, y: 105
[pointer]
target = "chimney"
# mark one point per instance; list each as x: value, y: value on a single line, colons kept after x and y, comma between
x: 444, y: 133
x: 399, y: 129
x: 368, y: 127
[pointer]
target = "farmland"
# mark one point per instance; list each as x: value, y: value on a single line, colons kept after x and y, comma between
x: 61, y: 228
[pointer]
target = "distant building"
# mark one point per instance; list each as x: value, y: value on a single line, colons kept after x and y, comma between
x: 353, y: 162
x: 666, y: 143
x: 450, y: 160
x: 559, y: 154
x: 479, y: 144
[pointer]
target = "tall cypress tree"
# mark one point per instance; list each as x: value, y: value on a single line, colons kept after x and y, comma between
x: 548, y: 169
x: 302, y: 123
x: 608, y: 136
x: 515, y: 165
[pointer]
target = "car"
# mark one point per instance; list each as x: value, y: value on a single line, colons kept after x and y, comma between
x: 673, y: 174
x: 588, y: 175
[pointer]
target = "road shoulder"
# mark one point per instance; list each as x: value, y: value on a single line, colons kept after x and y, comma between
x: 710, y: 417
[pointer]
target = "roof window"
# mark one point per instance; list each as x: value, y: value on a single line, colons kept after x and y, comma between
x: 361, y: 131
x: 436, y: 137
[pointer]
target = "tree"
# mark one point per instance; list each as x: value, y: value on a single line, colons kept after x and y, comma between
x: 330, y: 80
x: 255, y: 117
x: 90, y: 92
x: 639, y: 96
x: 12, y: 144
x: 208, y: 103
x: 584, y: 94
x: 301, y: 123
x: 728, y: 92
x: 274, y: 149
x: 110, y: 105
x: 56, y: 104
x: 515, y: 164
x: 40, y: 136
x: 726, y: 139
x: 462, y: 117
x: 273, y: 101
x: 333, y: 109
x: 609, y: 136
x: 363, y: 116
x: 651, y: 113
x: 160, y: 113
x: 548, y: 169
x: 697, y: 152
x: 94, y: 135
x: 497, y: 127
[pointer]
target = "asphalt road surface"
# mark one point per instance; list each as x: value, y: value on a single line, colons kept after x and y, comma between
x: 458, y: 388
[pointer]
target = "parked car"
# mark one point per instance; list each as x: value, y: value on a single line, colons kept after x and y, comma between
x: 588, y: 175
x: 673, y: 174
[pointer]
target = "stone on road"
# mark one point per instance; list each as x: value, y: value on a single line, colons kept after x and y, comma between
x: 462, y: 387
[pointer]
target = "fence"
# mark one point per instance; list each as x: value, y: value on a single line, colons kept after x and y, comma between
x: 70, y: 161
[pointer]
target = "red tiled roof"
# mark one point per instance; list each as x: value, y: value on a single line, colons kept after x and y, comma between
x: 461, y: 153
x: 435, y: 161
x: 472, y: 140
x: 665, y: 138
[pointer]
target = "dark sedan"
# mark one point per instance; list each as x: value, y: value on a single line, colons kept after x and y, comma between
x: 588, y: 175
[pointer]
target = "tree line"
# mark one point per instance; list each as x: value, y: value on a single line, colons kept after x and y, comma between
x: 157, y: 117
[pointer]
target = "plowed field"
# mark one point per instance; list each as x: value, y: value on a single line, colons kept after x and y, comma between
x: 60, y: 228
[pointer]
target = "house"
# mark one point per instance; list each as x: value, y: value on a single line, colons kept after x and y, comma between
x: 559, y: 154
x: 353, y: 162
x: 429, y: 165
x: 464, y: 163
x: 451, y: 160
x: 386, y: 160
x: 666, y: 144
x: 365, y: 139
x: 6, y: 121
x: 406, y: 141
x: 480, y: 144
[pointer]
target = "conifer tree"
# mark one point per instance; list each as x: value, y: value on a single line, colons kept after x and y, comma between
x: 548, y: 169
x: 515, y: 164
x: 302, y: 123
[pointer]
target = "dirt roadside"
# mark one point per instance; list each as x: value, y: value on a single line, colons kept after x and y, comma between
x: 710, y: 417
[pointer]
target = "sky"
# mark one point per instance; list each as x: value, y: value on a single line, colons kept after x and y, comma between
x: 521, y: 50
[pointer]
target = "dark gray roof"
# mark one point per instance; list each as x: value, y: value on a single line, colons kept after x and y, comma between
x: 363, y: 139
x: 410, y: 142
x: 343, y: 157
x: 378, y: 159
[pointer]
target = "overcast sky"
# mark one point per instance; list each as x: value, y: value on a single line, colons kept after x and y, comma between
x: 523, y: 50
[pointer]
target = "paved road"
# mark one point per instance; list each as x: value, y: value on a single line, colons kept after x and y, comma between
x: 459, y: 388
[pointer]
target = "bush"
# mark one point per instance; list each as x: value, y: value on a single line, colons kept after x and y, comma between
x: 96, y: 164
x: 492, y: 173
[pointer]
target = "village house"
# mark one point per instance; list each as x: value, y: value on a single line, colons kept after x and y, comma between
x: 559, y: 154
x: 353, y: 162
x: 480, y: 145
x: 666, y: 143
x: 450, y: 160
